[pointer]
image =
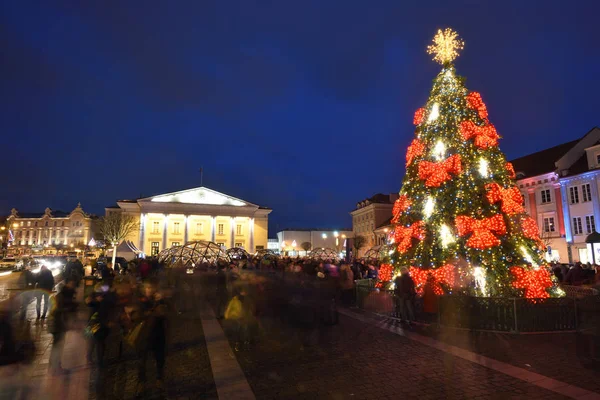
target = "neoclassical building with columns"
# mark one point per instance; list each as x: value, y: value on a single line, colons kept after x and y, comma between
x: 172, y: 219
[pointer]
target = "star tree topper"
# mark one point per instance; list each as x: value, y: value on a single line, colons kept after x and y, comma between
x: 446, y: 45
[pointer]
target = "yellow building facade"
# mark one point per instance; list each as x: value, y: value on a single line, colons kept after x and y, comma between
x: 173, y: 219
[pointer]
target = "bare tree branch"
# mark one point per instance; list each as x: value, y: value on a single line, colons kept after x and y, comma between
x: 115, y: 227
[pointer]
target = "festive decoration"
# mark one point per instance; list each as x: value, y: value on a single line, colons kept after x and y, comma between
x: 464, y: 207
x: 385, y: 272
x: 434, y: 113
x: 484, y: 168
x: 416, y: 149
x: 446, y: 236
x: 439, y: 151
x: 446, y: 45
x: 419, y: 116
x: 428, y: 207
x: 534, y: 281
x: 474, y: 101
x: 435, y: 174
x: 485, y: 136
x: 512, y: 201
x: 436, y: 277
x: 400, y: 205
x: 511, y: 170
x: 403, y: 235
x: 483, y: 230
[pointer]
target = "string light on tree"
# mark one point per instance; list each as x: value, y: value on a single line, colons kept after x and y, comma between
x: 464, y: 202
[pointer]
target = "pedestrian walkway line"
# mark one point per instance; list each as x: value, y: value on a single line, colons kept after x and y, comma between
x: 229, y: 378
x: 533, y: 378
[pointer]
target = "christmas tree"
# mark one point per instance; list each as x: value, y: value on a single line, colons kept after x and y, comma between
x: 460, y: 222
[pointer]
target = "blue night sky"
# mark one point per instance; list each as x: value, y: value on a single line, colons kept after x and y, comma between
x: 302, y: 106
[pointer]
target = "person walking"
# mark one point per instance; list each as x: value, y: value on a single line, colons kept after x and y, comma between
x: 26, y: 285
x: 346, y: 284
x: 101, y: 303
x: 64, y: 306
x: 44, y: 284
x: 222, y: 294
x: 405, y: 293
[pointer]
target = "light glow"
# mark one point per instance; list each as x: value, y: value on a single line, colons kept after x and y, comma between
x: 528, y: 257
x: 434, y: 113
x: 446, y: 236
x: 484, y: 168
x: 428, y: 207
x: 446, y: 45
x: 439, y: 151
x: 480, y: 283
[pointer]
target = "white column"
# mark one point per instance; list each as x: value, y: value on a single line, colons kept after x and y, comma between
x: 251, y: 236
x: 231, y: 232
x: 185, y: 228
x: 142, y: 232
x: 39, y: 240
x: 165, y: 231
x: 213, y: 225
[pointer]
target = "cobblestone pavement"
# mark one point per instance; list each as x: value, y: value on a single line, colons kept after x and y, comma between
x: 552, y: 355
x: 188, y: 371
x: 359, y: 361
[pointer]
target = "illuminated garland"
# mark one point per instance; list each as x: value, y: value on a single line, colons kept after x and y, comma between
x: 485, y: 136
x: 385, y: 272
x: 400, y: 205
x: 436, y: 173
x: 511, y: 170
x: 403, y: 235
x: 512, y: 201
x: 419, y: 116
x: 531, y: 231
x: 474, y: 101
x: 534, y: 281
x: 416, y: 149
x: 483, y: 230
x: 442, y: 275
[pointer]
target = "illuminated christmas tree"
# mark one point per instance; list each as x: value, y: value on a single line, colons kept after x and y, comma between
x: 460, y: 219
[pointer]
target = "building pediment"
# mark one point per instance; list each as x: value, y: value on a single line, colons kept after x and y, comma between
x: 199, y: 196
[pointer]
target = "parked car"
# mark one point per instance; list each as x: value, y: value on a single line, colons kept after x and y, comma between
x: 122, y: 262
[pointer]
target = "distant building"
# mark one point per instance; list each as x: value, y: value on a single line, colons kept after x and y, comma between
x: 560, y: 190
x: 292, y: 242
x: 172, y: 219
x: 371, y: 214
x: 50, y: 229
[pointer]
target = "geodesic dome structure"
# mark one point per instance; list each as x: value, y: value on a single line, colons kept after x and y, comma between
x: 377, y: 254
x: 323, y: 254
x: 263, y: 252
x: 192, y: 254
x: 237, y: 253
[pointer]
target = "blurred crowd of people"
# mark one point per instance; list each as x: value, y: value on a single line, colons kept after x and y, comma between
x: 577, y: 274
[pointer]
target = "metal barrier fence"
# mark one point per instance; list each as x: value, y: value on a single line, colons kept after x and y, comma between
x: 490, y: 314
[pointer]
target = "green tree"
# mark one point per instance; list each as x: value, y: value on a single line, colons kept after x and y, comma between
x: 459, y: 205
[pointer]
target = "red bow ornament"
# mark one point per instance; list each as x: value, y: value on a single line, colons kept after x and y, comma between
x: 419, y: 116
x: 436, y: 173
x: 483, y: 230
x: 531, y: 231
x: 440, y: 275
x: 511, y: 170
x: 416, y: 149
x: 485, y: 136
x: 403, y: 235
x: 512, y: 201
x: 534, y: 281
x: 474, y: 101
x: 400, y: 206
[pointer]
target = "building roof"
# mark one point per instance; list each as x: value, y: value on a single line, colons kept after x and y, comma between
x: 543, y: 161
x: 380, y: 198
x: 55, y: 214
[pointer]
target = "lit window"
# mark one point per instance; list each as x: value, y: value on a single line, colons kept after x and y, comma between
x: 176, y: 227
x: 239, y: 245
x: 220, y: 229
x: 586, y: 192
x: 545, y: 196
x: 28, y: 223
x: 221, y: 244
x: 577, y: 227
x: 155, y: 226
x: 549, y: 224
x: 238, y: 229
x: 175, y: 244
x: 574, y: 192
x: 199, y: 228
x: 589, y: 224
x: 154, y: 249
